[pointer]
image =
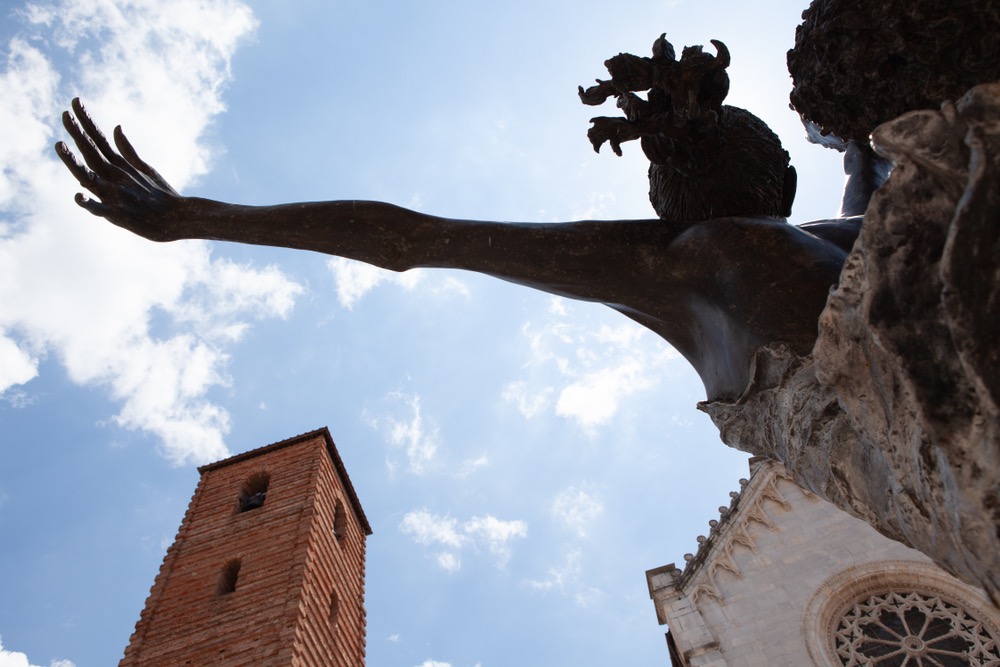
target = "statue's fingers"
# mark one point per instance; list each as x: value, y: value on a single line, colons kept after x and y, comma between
x: 119, y: 215
x: 84, y: 176
x: 96, y: 136
x: 122, y: 162
x: 128, y: 152
x: 91, y: 155
x: 92, y: 205
x: 92, y: 181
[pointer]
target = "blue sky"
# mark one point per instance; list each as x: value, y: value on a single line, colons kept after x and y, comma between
x: 523, y: 459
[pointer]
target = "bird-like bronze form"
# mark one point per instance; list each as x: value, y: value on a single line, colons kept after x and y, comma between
x: 707, y: 159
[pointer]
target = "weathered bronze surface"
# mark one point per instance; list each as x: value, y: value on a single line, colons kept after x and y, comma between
x: 716, y: 289
x: 707, y: 160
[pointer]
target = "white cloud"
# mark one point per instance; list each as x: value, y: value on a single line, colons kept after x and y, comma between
x: 86, y: 292
x: 588, y: 597
x: 161, y: 67
x: 15, y: 659
x: 585, y: 373
x: 557, y: 305
x: 566, y: 579
x: 449, y: 562
x: 355, y: 279
x: 559, y: 577
x: 470, y: 466
x: 16, y: 365
x: 27, y: 86
x: 427, y: 528
x: 434, y: 663
x: 487, y: 532
x: 496, y: 534
x: 412, y: 433
x: 452, y: 285
x: 597, y: 206
x: 595, y: 398
x: 576, y: 509
x: 528, y: 404
x: 414, y: 439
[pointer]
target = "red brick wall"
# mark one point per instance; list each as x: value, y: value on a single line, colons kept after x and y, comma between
x: 291, y: 565
x: 333, y: 565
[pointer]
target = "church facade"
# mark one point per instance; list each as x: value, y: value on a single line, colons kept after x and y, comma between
x: 785, y: 578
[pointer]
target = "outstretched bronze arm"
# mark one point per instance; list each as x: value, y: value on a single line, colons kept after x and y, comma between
x: 716, y: 290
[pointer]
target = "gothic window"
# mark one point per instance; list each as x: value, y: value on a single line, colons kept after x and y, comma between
x: 910, y: 629
x: 227, y: 579
x: 339, y: 521
x: 254, y: 492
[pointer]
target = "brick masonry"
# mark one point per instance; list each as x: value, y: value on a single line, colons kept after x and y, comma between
x: 298, y: 599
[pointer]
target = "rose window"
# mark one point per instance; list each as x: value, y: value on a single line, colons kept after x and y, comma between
x: 913, y: 630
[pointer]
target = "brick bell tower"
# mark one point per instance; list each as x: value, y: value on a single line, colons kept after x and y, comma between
x: 267, y: 569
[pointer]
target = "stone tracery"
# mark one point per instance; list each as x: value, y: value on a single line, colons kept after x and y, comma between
x: 911, y: 629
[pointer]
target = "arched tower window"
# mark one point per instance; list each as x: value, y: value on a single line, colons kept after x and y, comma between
x: 254, y: 491
x: 339, y: 521
x: 228, y: 577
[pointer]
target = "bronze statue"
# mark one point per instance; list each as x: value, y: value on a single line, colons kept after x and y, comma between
x: 707, y: 159
x: 720, y: 275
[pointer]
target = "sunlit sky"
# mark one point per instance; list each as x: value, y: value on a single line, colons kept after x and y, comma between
x: 523, y: 459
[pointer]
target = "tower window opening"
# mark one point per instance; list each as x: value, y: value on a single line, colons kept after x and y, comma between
x: 339, y: 521
x: 254, y: 492
x: 227, y: 578
x: 334, y: 610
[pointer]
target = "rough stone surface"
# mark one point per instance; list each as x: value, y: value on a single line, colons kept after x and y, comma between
x: 894, y: 415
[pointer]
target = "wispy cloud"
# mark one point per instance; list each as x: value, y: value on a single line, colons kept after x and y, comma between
x: 576, y: 509
x: 414, y: 439
x: 566, y: 579
x: 585, y: 373
x: 406, y: 429
x: 496, y: 534
x: 449, y: 562
x: 161, y: 69
x: 469, y: 466
x: 355, y: 279
x: 595, y: 397
x: 560, y: 576
x: 528, y: 404
x: 596, y: 207
x: 481, y: 532
x: 427, y: 528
